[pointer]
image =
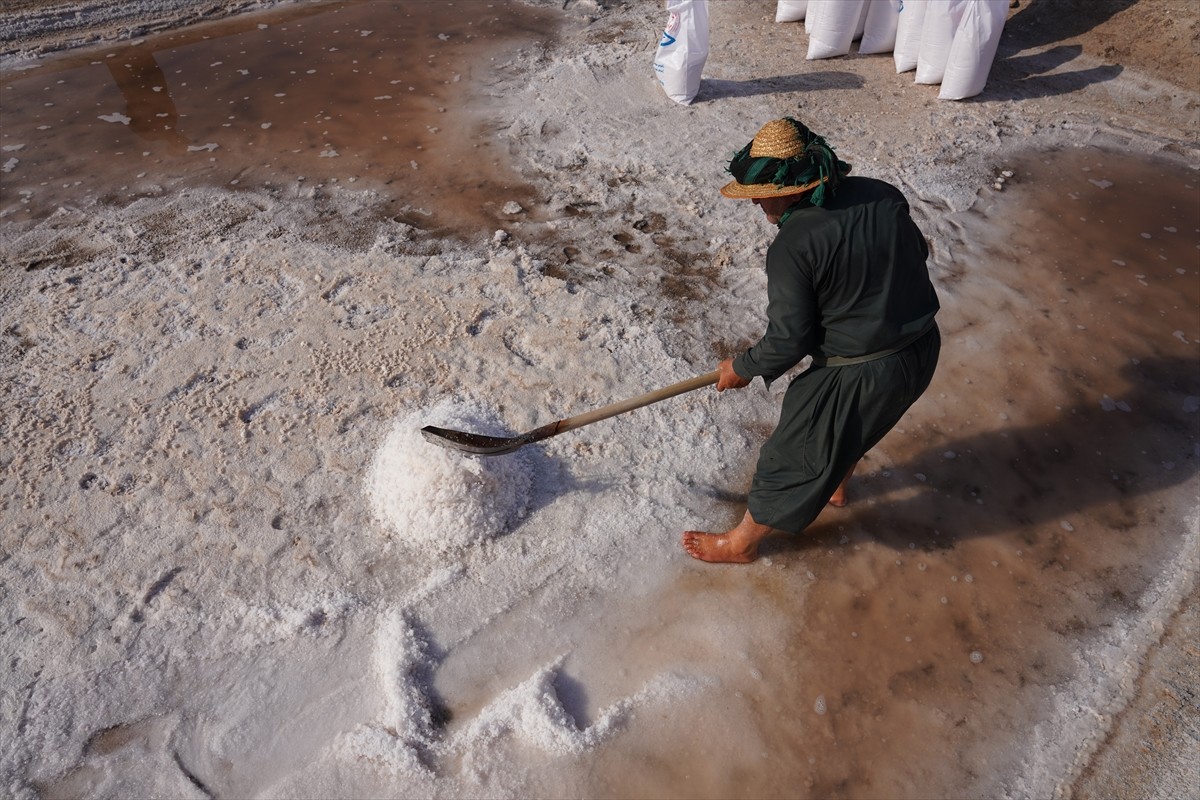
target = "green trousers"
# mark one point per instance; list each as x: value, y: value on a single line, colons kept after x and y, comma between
x: 831, y: 417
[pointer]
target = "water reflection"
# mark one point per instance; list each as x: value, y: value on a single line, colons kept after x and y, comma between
x: 148, y: 103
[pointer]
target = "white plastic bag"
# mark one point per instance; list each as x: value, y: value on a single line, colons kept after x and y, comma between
x: 937, y: 35
x: 908, y: 34
x: 974, y: 49
x: 683, y: 49
x: 790, y: 10
x: 834, y: 28
x: 879, y: 35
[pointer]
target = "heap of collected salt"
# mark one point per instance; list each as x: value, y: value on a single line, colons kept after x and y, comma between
x: 441, y: 498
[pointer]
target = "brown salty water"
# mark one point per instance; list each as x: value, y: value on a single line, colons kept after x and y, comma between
x: 1000, y: 544
x: 371, y: 95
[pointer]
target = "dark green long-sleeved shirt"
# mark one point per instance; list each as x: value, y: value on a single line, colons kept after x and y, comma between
x: 845, y: 279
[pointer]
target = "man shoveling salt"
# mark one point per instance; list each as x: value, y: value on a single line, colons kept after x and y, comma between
x: 846, y: 284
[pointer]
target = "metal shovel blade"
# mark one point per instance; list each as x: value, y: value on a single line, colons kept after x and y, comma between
x: 482, y: 445
x: 473, y: 442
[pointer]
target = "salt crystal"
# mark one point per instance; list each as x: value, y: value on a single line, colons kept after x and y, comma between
x: 512, y: 207
x: 976, y: 657
x: 114, y: 117
x: 1103, y: 184
x: 1066, y: 526
x: 819, y: 705
x: 950, y: 454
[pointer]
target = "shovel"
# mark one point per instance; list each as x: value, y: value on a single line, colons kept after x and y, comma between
x: 495, y: 445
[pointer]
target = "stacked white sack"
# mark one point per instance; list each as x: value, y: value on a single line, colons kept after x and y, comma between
x: 908, y: 34
x: 812, y: 14
x: 879, y: 30
x: 937, y: 35
x: 951, y: 42
x: 974, y: 49
x: 837, y: 24
x: 862, y: 20
x: 683, y: 49
x: 790, y: 10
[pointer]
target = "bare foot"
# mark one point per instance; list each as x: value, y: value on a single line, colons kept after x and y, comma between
x: 839, y: 498
x: 718, y: 548
x: 736, y: 546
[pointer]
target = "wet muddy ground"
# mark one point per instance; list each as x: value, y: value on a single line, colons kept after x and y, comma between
x: 1030, y: 503
x: 369, y: 95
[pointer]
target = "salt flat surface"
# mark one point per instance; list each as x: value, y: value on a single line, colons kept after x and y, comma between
x: 231, y: 567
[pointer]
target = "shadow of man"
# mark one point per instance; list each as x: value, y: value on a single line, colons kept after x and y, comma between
x: 1109, y: 462
x: 148, y: 102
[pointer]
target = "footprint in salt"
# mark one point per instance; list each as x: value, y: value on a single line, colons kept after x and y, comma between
x: 443, y: 499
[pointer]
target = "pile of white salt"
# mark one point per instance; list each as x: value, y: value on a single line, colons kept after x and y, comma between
x: 442, y: 498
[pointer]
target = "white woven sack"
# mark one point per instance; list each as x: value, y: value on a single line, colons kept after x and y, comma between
x: 908, y: 34
x: 683, y: 49
x: 862, y: 20
x: 790, y: 10
x: 974, y: 49
x: 834, y: 29
x: 813, y: 13
x: 879, y: 34
x: 937, y: 34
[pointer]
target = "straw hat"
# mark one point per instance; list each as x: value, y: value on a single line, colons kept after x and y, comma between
x: 780, y: 139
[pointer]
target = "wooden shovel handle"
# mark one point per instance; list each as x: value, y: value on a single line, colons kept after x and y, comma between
x: 571, y: 423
